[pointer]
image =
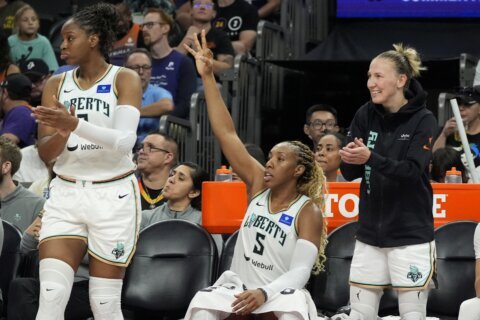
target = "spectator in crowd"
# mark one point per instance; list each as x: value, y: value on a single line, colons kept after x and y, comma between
x: 470, y: 309
x: 18, y: 205
x: 7, y: 14
x: 156, y: 101
x: 182, y: 13
x: 32, y: 167
x: 443, y: 160
x: 38, y: 73
x: 292, y: 185
x: 239, y: 20
x: 268, y: 9
x: 203, y: 12
x: 468, y: 99
x: 320, y: 119
x: 128, y: 34
x: 170, y: 69
x: 26, y: 43
x: 157, y: 154
x: 183, y: 193
x: 141, y: 5
x: 390, y: 141
x: 327, y: 154
x: 18, y: 124
x: 6, y: 65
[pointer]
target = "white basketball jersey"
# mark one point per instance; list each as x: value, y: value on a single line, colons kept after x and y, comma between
x: 82, y: 159
x: 266, y: 241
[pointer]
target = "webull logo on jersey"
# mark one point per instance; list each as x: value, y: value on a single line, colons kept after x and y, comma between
x: 269, y: 226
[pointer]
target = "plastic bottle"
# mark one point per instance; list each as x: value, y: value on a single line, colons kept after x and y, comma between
x: 223, y: 174
x: 453, y: 176
x: 340, y: 177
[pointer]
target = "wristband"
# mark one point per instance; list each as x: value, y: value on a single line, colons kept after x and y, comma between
x: 264, y: 294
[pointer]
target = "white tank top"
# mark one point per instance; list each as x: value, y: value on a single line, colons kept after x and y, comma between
x: 81, y: 159
x: 266, y: 241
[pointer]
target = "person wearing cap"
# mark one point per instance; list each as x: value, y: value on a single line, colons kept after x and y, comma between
x: 37, y: 71
x: 18, y: 125
x: 468, y: 99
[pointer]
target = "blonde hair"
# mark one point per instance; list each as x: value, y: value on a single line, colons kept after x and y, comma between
x: 406, y: 61
x: 18, y: 16
x: 312, y: 183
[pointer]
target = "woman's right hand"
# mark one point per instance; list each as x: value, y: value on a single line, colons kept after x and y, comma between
x: 203, y: 56
x: 450, y: 127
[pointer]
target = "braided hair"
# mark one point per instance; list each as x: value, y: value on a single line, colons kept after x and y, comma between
x: 100, y: 19
x: 312, y: 183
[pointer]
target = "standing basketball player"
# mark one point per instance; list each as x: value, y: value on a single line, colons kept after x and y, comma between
x: 282, y: 235
x: 390, y: 149
x: 87, y: 122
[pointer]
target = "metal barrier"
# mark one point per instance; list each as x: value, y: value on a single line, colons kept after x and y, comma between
x: 179, y: 129
x: 270, y: 43
x: 468, y: 63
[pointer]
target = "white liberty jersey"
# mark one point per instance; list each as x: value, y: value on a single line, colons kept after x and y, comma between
x: 266, y: 241
x: 81, y: 159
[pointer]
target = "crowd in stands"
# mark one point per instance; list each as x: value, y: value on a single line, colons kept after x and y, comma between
x: 156, y: 47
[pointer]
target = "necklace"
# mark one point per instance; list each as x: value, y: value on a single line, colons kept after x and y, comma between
x: 146, y: 195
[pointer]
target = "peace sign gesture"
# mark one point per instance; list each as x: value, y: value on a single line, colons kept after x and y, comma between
x: 203, y: 56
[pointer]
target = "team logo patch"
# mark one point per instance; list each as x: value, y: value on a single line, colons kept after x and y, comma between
x: 119, y: 250
x: 104, y: 88
x: 414, y: 273
x: 286, y: 219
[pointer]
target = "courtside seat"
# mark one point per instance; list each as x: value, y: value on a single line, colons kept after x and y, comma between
x: 174, y: 259
x: 455, y: 269
x: 227, y: 253
x: 10, y: 258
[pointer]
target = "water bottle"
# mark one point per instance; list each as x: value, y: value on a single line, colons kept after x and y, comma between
x: 223, y: 174
x: 453, y: 176
x: 340, y: 177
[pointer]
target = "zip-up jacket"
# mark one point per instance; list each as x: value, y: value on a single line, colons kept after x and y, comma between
x: 395, y: 206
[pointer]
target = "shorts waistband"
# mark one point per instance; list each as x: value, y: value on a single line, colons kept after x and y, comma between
x: 98, y: 181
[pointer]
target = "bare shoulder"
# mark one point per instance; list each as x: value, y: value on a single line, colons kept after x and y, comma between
x: 125, y: 75
x: 310, y: 222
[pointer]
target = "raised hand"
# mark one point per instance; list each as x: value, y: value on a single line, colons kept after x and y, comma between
x: 203, y: 56
x: 57, y: 117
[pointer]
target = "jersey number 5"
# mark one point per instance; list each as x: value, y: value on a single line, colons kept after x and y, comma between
x: 258, y: 248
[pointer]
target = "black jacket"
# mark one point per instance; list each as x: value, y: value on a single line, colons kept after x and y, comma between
x: 395, y: 194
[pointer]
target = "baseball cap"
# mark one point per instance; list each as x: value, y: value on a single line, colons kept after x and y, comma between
x: 18, y: 85
x: 34, y: 68
x: 466, y: 95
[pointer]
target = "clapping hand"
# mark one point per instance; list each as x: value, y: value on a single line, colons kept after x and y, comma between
x: 57, y: 117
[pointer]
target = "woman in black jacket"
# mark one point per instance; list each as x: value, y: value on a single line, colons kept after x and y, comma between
x: 389, y: 147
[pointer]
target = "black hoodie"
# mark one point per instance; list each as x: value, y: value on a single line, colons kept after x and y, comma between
x: 395, y: 194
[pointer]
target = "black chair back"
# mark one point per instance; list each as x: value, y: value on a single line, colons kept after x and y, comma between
x: 174, y: 259
x: 10, y: 258
x: 455, y: 268
x: 227, y: 253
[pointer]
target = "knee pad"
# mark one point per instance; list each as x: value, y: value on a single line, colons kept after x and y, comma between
x: 56, y: 280
x: 105, y: 295
x: 470, y: 309
x: 413, y: 304
x: 364, y: 303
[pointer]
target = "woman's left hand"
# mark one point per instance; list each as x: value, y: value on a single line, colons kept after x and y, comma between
x: 58, y: 117
x: 248, y: 301
x: 355, y: 152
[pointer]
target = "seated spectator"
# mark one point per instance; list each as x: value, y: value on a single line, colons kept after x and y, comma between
x: 470, y: 309
x: 157, y: 154
x: 268, y: 9
x: 443, y: 160
x: 18, y: 205
x: 156, y: 101
x: 26, y: 43
x: 320, y: 119
x: 129, y: 35
x: 7, y: 14
x: 170, y: 69
x: 18, y: 124
x: 203, y: 12
x: 239, y: 20
x: 182, y: 191
x: 6, y: 65
x: 468, y: 99
x: 38, y: 73
x: 328, y: 156
x: 32, y: 168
